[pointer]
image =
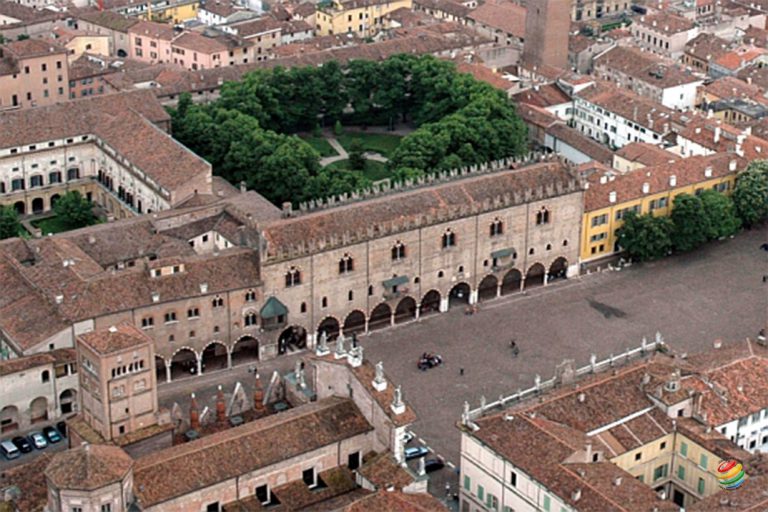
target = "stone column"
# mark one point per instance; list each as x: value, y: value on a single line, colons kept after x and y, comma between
x: 392, y: 319
x: 473, y: 296
x: 229, y: 359
x: 522, y: 283
x: 498, y: 289
x: 418, y: 311
x: 546, y: 278
x: 200, y: 364
x: 366, y: 326
x: 444, y: 301
x: 167, y: 372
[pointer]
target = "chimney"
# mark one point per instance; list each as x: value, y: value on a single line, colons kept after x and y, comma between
x: 612, y: 197
x: 112, y: 328
x: 708, y: 172
x: 576, y: 495
x: 194, y: 414
x: 221, y: 407
x: 718, y: 343
x: 732, y: 165
x: 203, y: 287
x: 617, y: 481
x: 673, y: 181
x: 258, y: 397
x: 287, y: 209
x: 581, y: 397
x: 646, y: 188
x: 59, y: 299
x: 243, y: 190
x: 717, y: 134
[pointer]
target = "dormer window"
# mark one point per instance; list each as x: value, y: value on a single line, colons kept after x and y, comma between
x: 497, y: 227
x: 542, y: 216
x: 398, y: 251
x: 449, y: 239
x: 292, y: 277
x: 346, y: 264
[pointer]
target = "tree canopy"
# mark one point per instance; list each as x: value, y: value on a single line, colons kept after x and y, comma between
x: 750, y: 197
x: 645, y: 237
x: 691, y: 223
x: 10, y: 225
x: 74, y: 210
x: 246, y: 133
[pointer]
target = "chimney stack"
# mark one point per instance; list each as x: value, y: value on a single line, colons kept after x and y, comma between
x: 194, y: 414
x: 221, y: 407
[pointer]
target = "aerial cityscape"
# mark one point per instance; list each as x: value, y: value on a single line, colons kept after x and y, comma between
x: 383, y: 255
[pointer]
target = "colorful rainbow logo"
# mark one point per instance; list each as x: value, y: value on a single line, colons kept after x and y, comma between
x: 731, y: 474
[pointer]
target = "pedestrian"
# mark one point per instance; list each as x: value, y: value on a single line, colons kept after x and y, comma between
x: 461, y: 371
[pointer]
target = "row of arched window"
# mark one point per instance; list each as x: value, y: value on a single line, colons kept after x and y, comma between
x: 38, y: 180
x: 398, y: 252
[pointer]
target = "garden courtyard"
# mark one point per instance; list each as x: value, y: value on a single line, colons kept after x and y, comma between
x: 377, y: 145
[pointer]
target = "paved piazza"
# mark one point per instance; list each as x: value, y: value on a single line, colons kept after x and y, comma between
x: 716, y: 292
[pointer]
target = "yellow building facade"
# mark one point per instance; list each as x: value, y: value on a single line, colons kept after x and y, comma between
x: 611, y: 195
x: 364, y: 18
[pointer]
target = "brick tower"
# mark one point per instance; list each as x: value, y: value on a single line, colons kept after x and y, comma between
x: 546, y: 33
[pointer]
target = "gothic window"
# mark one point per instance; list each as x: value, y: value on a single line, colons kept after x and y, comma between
x: 250, y: 296
x: 250, y: 319
x: 449, y: 239
x: 193, y: 312
x: 170, y: 317
x: 292, y: 277
x: 346, y: 264
x: 398, y: 251
x: 147, y: 322
x: 217, y: 302
x: 542, y: 216
x: 497, y: 227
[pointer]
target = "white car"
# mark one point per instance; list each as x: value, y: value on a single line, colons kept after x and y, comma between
x: 38, y: 440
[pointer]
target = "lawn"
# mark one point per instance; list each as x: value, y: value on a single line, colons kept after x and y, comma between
x: 320, y: 145
x: 381, y: 143
x: 50, y: 225
x: 374, y: 171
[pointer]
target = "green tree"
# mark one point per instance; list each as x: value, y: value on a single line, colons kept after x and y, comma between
x: 719, y: 208
x: 22, y: 37
x: 74, y: 210
x: 357, y: 159
x: 334, y: 182
x: 645, y: 237
x: 750, y: 197
x: 10, y: 225
x: 691, y: 223
x: 338, y: 130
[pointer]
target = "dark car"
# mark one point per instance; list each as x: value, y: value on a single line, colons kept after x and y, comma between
x: 764, y: 247
x: 22, y: 443
x: 52, y: 434
x: 433, y: 464
x: 62, y: 428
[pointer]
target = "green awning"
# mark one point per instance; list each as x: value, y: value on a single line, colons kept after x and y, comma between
x: 273, y: 308
x: 395, y: 281
x: 501, y: 253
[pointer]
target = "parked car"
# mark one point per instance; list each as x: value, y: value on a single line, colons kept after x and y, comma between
x: 52, y: 434
x: 415, y: 452
x: 408, y: 437
x: 433, y: 464
x: 62, y: 428
x: 9, y: 450
x: 38, y: 440
x: 22, y: 444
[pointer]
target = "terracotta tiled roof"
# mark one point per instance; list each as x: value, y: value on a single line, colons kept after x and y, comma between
x: 253, y: 28
x: 628, y: 105
x: 26, y: 14
x: 382, y: 471
x: 729, y: 87
x: 706, y: 47
x: 412, y: 205
x: 153, y: 30
x: 665, y: 22
x: 536, y: 116
x: 580, y: 142
x: 751, y: 497
x: 30, y: 48
x: 446, y: 6
x: 629, y: 186
x: 179, y: 470
x: 702, y: 132
x: 24, y: 363
x: 388, y: 501
x: 645, y: 67
x: 88, y: 467
x: 547, y: 95
x: 305, y: 10
x: 740, y: 57
x: 28, y: 478
x: 480, y: 72
x: 297, y: 496
x: 117, y: 338
x: 506, y: 16
x: 109, y: 19
x: 208, y: 44
x: 646, y: 154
